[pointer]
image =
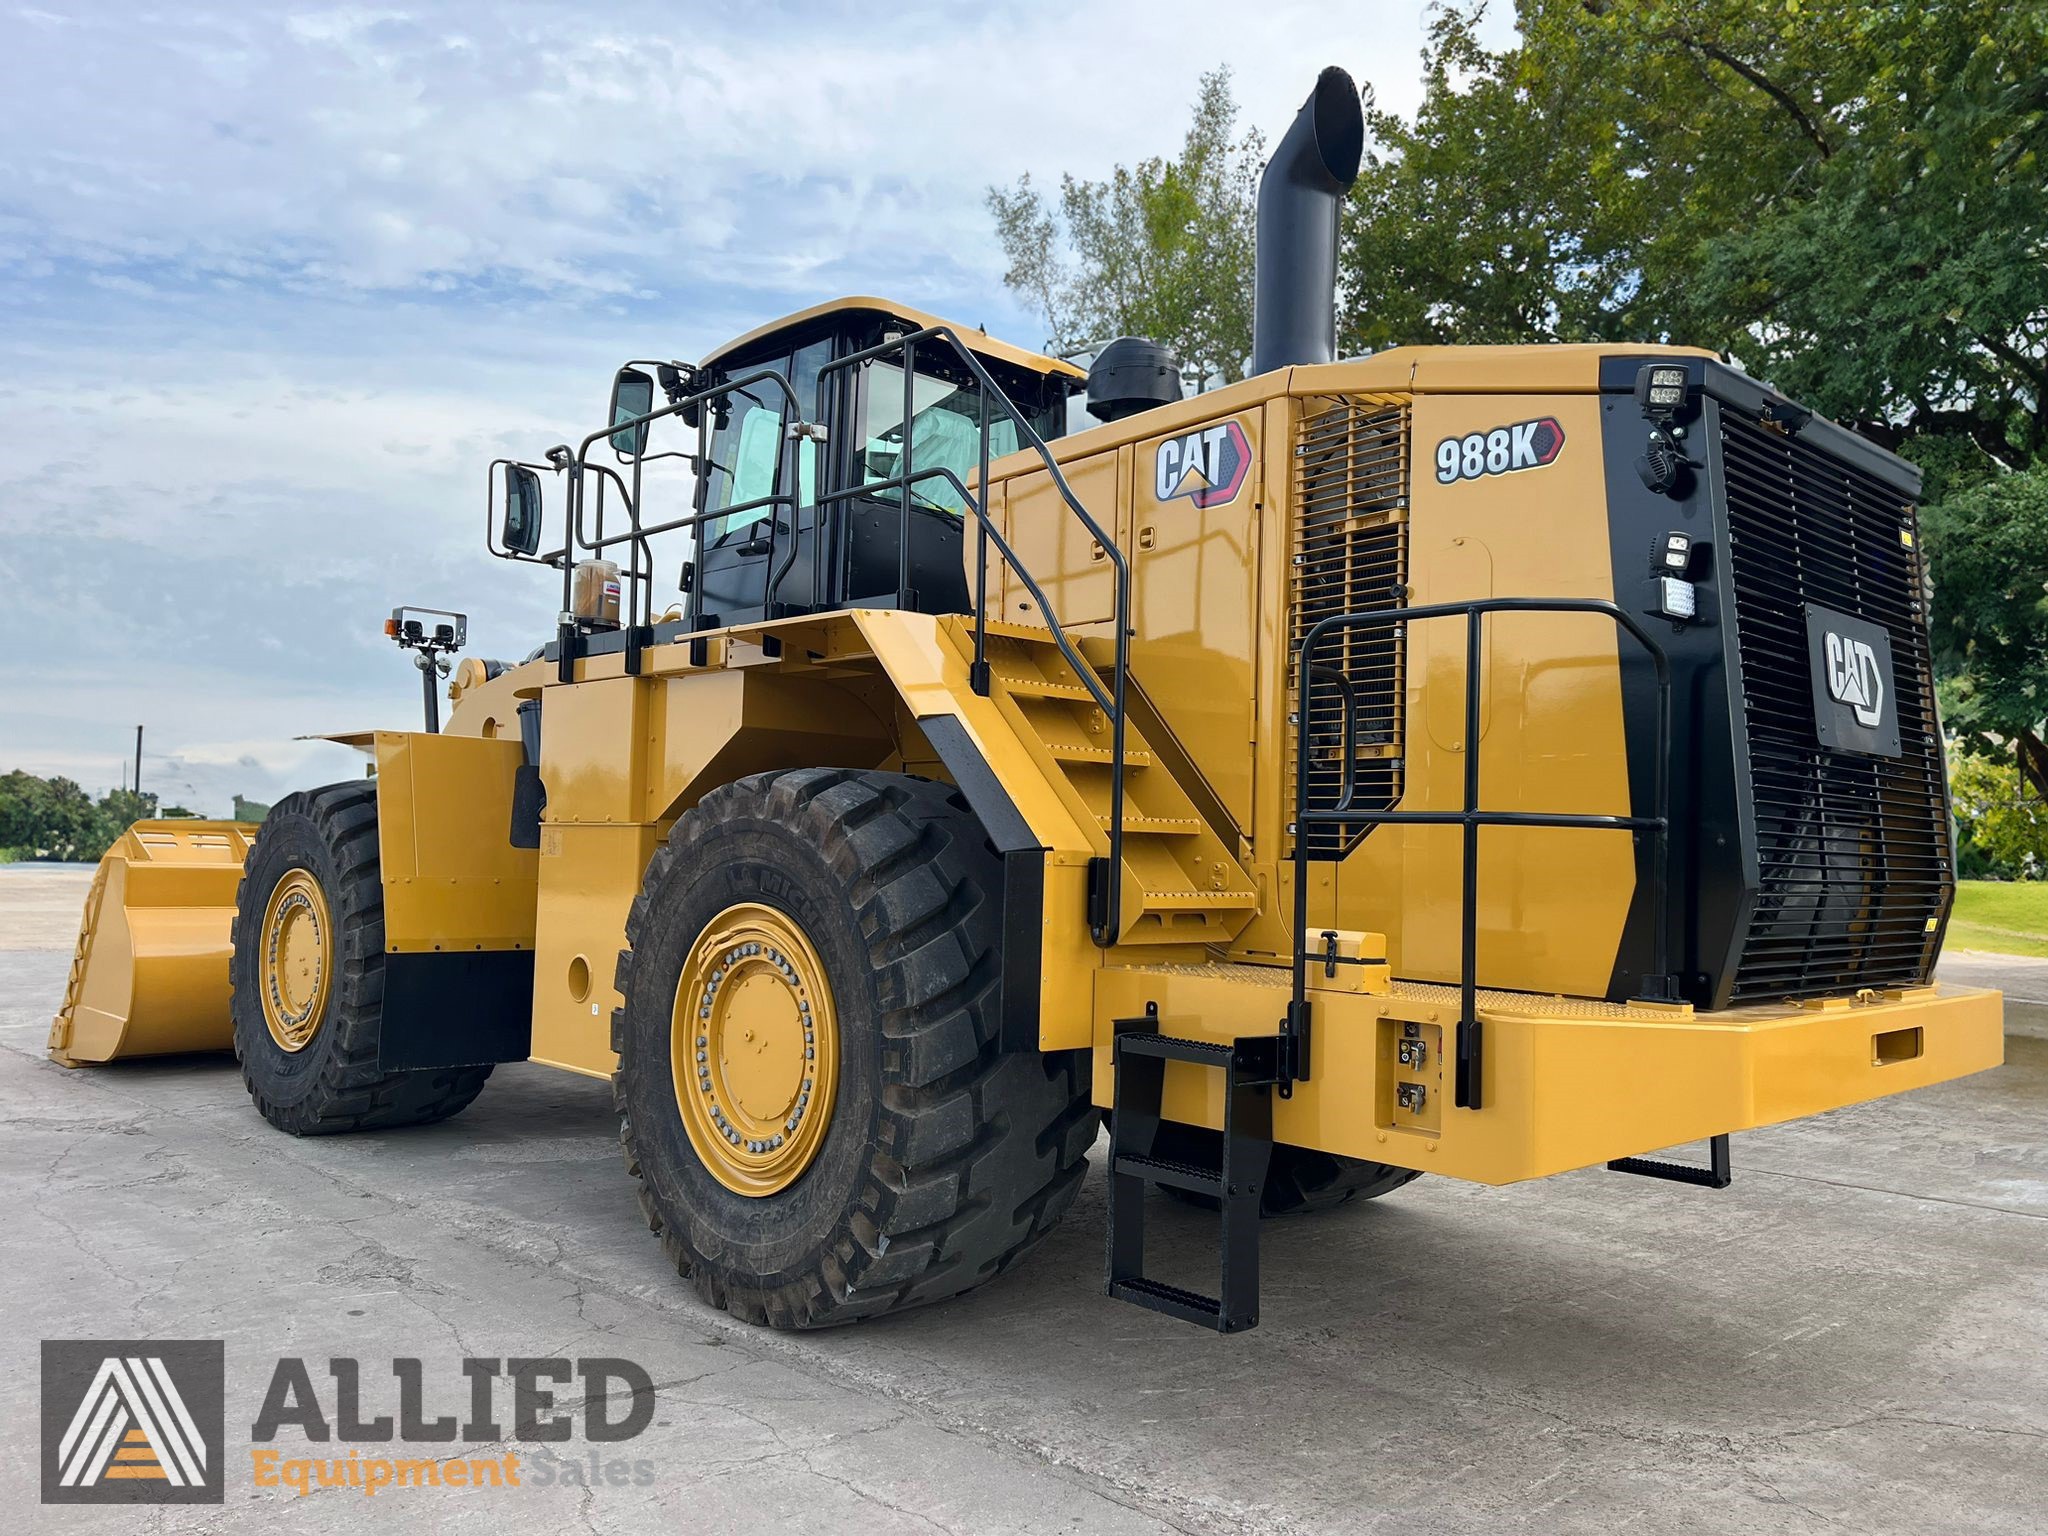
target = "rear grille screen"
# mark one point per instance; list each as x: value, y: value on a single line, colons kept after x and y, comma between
x: 1854, y: 850
x: 1350, y: 556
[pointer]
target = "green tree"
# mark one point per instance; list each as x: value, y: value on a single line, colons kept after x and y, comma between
x: 2003, y: 832
x: 1850, y: 199
x: 1989, y: 552
x: 48, y: 818
x: 1162, y: 248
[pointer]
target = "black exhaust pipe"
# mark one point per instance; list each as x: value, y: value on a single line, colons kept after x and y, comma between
x: 1294, y: 292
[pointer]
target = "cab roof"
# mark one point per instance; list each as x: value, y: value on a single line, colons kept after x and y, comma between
x: 979, y: 342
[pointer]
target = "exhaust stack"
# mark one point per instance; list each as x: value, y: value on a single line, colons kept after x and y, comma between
x: 1294, y: 293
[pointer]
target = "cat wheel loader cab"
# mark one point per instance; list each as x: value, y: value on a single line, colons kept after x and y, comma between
x: 1479, y: 761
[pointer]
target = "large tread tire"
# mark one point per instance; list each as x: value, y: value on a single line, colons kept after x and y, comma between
x: 947, y: 1158
x: 332, y: 1084
x: 1299, y: 1180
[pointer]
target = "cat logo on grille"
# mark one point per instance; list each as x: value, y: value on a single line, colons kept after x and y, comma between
x: 132, y: 1421
x: 1853, y: 679
x: 1855, y: 707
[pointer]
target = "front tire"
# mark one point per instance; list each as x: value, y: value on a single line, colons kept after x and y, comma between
x: 307, y: 975
x: 872, y: 905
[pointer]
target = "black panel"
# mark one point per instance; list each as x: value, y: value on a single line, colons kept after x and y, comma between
x: 1709, y: 854
x: 458, y: 1008
x: 1023, y: 876
x: 1797, y: 870
x: 1855, y: 864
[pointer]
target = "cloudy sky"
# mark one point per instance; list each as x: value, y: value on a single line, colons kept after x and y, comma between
x: 277, y: 280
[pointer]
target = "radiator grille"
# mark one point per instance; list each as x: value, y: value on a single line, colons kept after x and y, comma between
x: 1350, y: 556
x: 1854, y: 850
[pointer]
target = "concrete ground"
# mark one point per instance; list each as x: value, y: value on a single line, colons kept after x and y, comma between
x: 1854, y: 1336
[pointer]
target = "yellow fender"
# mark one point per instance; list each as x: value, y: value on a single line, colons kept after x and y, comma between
x: 150, y: 974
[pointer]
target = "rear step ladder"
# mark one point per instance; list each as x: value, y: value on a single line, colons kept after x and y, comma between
x: 1251, y: 1066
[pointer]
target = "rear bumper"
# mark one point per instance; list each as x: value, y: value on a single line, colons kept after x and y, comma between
x: 1567, y: 1084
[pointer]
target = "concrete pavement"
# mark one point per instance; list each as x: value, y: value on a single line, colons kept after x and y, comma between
x: 1854, y: 1335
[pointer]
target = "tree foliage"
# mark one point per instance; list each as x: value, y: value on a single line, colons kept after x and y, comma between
x: 56, y: 819
x: 2002, y: 831
x: 1989, y: 551
x: 1162, y: 248
x: 1849, y: 199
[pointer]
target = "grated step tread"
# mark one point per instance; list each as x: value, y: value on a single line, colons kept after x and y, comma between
x: 1160, y: 826
x: 1074, y: 752
x: 1160, y: 1170
x: 1041, y: 688
x: 1198, y: 901
x: 1174, y: 1301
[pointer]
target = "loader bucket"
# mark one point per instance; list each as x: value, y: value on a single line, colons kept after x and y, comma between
x: 150, y: 975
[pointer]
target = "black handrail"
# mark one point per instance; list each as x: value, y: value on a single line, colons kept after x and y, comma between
x: 640, y: 605
x: 1106, y: 892
x: 1468, y: 1092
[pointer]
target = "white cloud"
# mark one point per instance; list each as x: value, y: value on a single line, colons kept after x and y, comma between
x: 276, y: 283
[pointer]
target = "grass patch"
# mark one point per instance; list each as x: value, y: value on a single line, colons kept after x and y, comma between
x: 2006, y: 917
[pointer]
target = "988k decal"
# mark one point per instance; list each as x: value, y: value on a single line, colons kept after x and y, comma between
x: 1499, y: 450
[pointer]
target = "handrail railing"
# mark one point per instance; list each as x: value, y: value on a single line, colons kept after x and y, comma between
x: 1105, y: 886
x: 1105, y: 891
x: 1469, y: 1089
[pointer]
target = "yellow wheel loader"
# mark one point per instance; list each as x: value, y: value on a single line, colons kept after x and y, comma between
x: 1483, y: 761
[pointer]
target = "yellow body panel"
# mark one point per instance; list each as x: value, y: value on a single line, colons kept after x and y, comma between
x: 150, y: 974
x: 589, y: 876
x: 1570, y: 1083
x: 1552, y: 900
x: 452, y: 879
x: 975, y: 340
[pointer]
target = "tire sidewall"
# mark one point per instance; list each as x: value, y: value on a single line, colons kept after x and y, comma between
x: 769, y: 1240
x: 291, y: 840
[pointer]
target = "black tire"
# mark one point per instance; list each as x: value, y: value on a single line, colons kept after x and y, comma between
x: 332, y: 1083
x: 1299, y: 1180
x: 946, y: 1158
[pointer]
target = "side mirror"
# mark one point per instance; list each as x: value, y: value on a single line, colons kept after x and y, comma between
x: 522, y: 509
x: 632, y: 395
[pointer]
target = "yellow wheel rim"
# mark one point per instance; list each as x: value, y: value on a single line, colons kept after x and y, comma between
x: 755, y: 1045
x: 297, y: 959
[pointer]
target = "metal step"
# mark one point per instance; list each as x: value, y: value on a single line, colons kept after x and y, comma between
x: 1040, y: 688
x: 1188, y: 1306
x: 1163, y: 826
x: 1158, y: 1170
x: 1255, y: 1058
x: 1073, y: 752
x: 1250, y: 1067
x: 1197, y: 901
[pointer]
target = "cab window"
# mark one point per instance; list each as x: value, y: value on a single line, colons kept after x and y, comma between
x: 745, y: 452
x: 945, y: 433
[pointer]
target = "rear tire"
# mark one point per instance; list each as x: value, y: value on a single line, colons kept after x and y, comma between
x: 1300, y: 1180
x: 945, y: 1158
x: 308, y: 1019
